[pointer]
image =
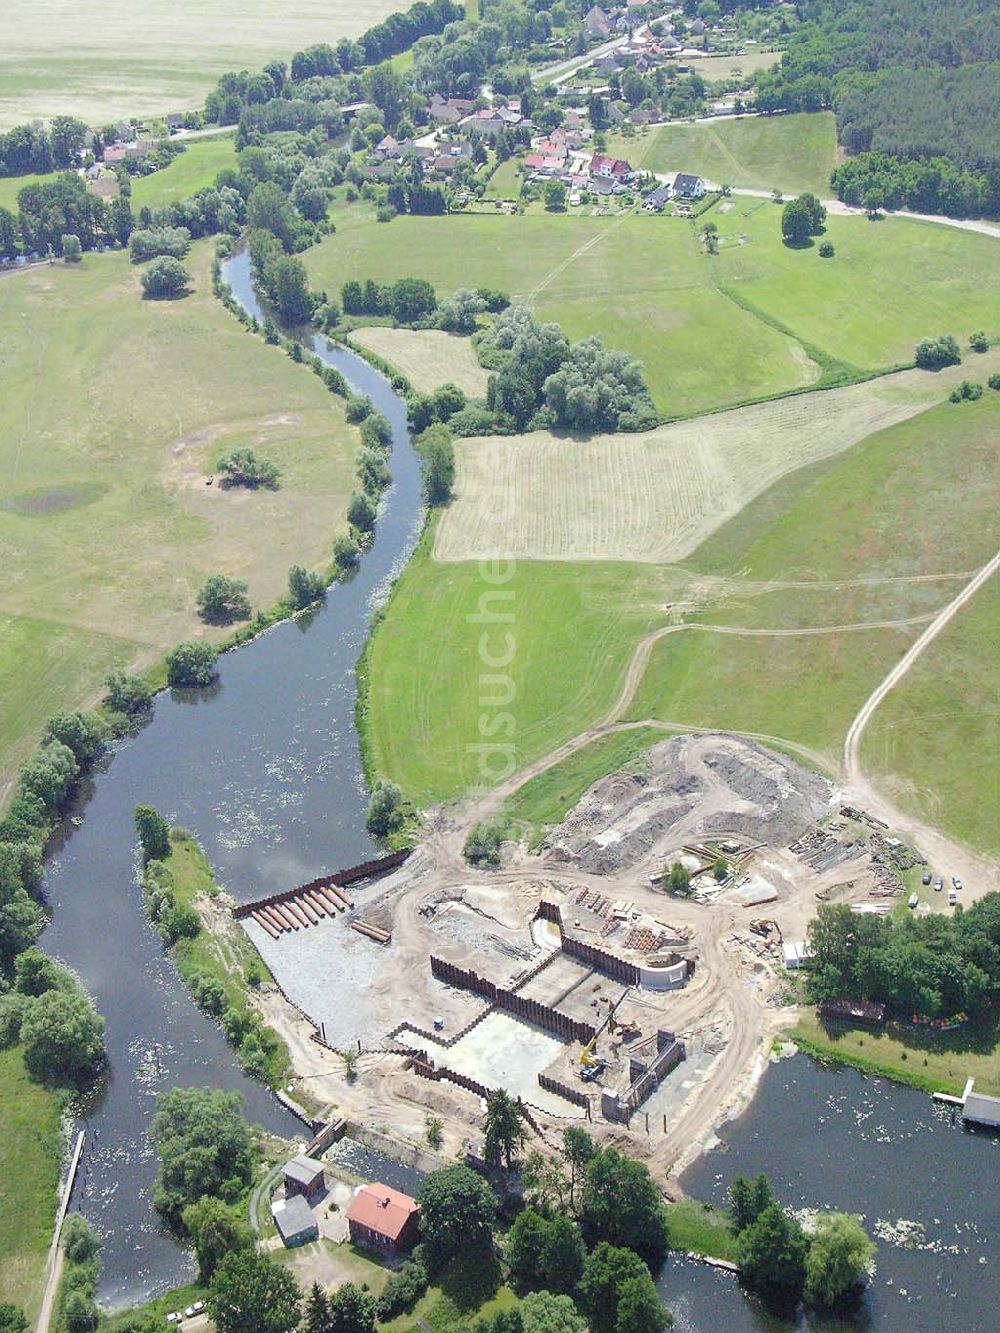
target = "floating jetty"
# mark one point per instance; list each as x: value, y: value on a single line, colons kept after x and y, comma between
x: 309, y: 904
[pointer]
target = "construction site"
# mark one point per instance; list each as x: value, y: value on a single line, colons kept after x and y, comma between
x: 632, y: 974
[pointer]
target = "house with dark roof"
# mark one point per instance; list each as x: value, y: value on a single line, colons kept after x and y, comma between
x: 688, y: 187
x: 383, y: 1219
x: 295, y: 1221
x: 304, y: 1175
x: 597, y: 22
x: 657, y: 201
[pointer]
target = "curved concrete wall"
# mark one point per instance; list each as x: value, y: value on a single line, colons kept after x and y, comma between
x: 668, y: 976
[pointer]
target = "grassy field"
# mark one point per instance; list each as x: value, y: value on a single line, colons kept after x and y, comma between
x: 705, y: 328
x: 427, y: 357
x: 867, y: 304
x: 639, y: 281
x: 11, y: 187
x: 935, y: 1061
x: 791, y: 153
x: 658, y: 495
x: 195, y: 169
x: 30, y: 1148
x: 118, y: 61
x: 698, y: 1228
x: 832, y: 545
x: 934, y: 742
x: 505, y: 181
x: 112, y: 410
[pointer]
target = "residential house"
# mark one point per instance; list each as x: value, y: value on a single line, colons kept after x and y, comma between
x: 125, y: 131
x: 610, y: 168
x: 656, y: 202
x: 304, y: 1175
x: 174, y: 121
x: 603, y: 185
x: 135, y: 152
x: 597, y: 22
x: 385, y: 148
x: 552, y: 146
x: 646, y: 117
x: 382, y: 171
x: 114, y: 153
x: 491, y: 120
x: 448, y: 110
x: 383, y: 1219
x: 688, y: 187
x: 295, y: 1221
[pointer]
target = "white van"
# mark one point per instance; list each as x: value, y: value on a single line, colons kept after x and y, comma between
x: 952, y: 897
x: 913, y: 900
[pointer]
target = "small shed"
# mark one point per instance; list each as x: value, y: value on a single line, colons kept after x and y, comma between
x: 295, y: 1221
x: 795, y: 953
x: 304, y: 1175
x: 978, y: 1109
x: 383, y: 1218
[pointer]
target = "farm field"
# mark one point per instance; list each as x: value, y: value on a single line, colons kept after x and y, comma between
x: 864, y: 305
x: 124, y: 61
x: 29, y: 1168
x: 639, y: 281
x: 859, y: 539
x: 427, y: 357
x: 934, y: 743
x: 105, y: 570
x: 193, y: 170
x: 714, y: 68
x: 657, y: 495
x: 791, y: 153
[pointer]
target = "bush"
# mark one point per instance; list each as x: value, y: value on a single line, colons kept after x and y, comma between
x: 967, y: 391
x: 357, y: 407
x: 826, y: 250
x: 129, y: 695
x: 12, y: 1010
x: 207, y: 991
x: 346, y: 552
x: 164, y: 279
x: 934, y: 353
x: 178, y: 923
x: 994, y: 381
x: 152, y: 242
x: 385, y: 810
x: 979, y: 342
x: 361, y: 512
x: 191, y: 665
x: 482, y: 846
x: 402, y: 1291
x: 72, y: 250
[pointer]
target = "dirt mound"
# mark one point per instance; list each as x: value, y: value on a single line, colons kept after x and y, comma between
x: 698, y: 786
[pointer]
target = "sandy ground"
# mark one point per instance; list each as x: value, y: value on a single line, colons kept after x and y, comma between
x: 656, y: 496
x: 427, y: 357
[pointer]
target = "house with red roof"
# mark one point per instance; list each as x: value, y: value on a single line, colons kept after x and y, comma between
x: 383, y: 1219
x: 611, y: 168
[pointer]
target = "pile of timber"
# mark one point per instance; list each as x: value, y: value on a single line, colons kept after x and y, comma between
x: 375, y: 933
x: 305, y: 908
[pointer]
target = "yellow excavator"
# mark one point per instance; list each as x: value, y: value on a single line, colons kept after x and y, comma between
x: 588, y: 1058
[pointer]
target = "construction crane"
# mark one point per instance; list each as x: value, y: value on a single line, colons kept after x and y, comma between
x: 587, y: 1057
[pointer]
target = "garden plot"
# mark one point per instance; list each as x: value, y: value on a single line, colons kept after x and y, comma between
x: 427, y: 357
x: 656, y: 496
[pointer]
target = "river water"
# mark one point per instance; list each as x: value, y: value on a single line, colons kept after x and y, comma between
x: 265, y: 770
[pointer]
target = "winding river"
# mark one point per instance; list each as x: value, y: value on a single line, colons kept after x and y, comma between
x: 265, y: 769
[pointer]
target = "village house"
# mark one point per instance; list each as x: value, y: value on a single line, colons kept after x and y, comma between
x: 174, y: 121
x: 610, y: 168
x: 657, y: 201
x: 135, y: 152
x: 450, y: 110
x: 597, y: 23
x: 383, y: 1219
x: 687, y: 187
x: 295, y: 1221
x: 113, y: 154
x: 491, y: 120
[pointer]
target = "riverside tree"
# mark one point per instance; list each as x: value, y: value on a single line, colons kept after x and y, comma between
x: 840, y: 1254
x: 772, y: 1253
x: 154, y: 833
x: 216, y: 1231
x: 250, y: 1293
x: 457, y: 1214
x: 616, y: 1280
x: 438, y: 454
x: 205, y: 1147
x: 385, y: 810
x: 126, y: 694
x: 191, y: 665
x: 621, y: 1205
x: 63, y: 1036
x: 304, y: 587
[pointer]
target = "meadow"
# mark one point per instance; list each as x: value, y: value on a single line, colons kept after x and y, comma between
x: 756, y: 320
x: 427, y: 357
x: 29, y: 1169
x: 193, y: 170
x: 790, y: 153
x: 113, y: 410
x: 859, y: 539
x: 639, y: 281
x: 118, y: 60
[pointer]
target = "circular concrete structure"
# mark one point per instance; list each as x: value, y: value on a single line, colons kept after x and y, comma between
x: 664, y: 971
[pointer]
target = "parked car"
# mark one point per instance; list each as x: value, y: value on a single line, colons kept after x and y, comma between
x: 956, y: 883
x: 927, y: 877
x: 938, y: 884
x: 952, y: 897
x: 913, y: 900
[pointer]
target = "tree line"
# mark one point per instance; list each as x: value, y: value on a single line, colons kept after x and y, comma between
x: 930, y: 966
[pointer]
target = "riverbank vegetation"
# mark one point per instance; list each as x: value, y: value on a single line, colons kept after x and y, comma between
x: 215, y: 960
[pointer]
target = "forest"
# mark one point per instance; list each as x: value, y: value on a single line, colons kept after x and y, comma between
x: 905, y: 78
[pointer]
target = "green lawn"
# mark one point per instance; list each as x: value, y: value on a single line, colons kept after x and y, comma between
x: 193, y: 170
x: 698, y: 1228
x: 505, y: 183
x: 934, y: 742
x: 11, y: 187
x: 790, y: 153
x: 889, y: 284
x: 936, y: 1061
x: 640, y: 281
x: 112, y: 411
x: 30, y: 1151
